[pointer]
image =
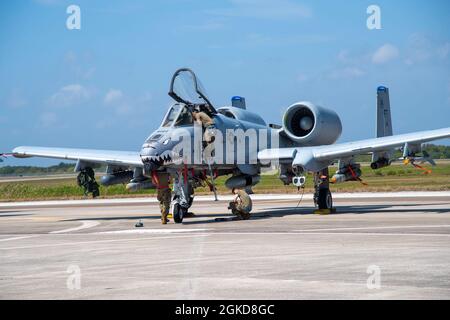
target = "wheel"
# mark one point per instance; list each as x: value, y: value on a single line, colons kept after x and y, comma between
x: 178, y: 213
x: 325, y: 201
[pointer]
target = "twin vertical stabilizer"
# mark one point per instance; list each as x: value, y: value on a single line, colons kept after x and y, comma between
x: 384, y: 122
x: 384, y: 125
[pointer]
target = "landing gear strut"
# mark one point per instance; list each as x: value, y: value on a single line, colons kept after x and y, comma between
x: 322, y: 193
x: 183, y: 197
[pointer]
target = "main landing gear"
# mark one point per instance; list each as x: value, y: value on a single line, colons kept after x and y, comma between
x: 322, y: 194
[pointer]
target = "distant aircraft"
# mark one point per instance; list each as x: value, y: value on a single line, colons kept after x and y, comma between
x: 234, y: 141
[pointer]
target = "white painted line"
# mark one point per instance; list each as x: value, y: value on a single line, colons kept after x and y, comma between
x: 374, y: 228
x: 84, y: 225
x: 299, y: 233
x: 379, y: 234
x: 101, y: 241
x: 255, y: 197
x: 17, y: 238
x: 329, y: 233
x: 152, y: 231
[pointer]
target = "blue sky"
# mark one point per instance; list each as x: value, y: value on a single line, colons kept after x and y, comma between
x: 105, y: 86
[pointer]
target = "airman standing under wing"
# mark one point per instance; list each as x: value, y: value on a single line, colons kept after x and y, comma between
x: 164, y: 193
x: 86, y: 179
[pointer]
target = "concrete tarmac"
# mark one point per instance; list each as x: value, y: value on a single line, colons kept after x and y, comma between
x: 371, y: 248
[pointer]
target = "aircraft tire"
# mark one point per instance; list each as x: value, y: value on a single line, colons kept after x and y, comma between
x: 178, y: 213
x: 325, y: 200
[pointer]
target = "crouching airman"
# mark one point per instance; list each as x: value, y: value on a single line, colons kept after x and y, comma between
x: 241, y: 205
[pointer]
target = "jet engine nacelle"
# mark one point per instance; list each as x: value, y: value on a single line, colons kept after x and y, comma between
x: 308, y: 124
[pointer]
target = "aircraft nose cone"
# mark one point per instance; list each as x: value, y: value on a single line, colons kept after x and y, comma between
x: 149, y: 152
x: 157, y: 154
x: 306, y: 123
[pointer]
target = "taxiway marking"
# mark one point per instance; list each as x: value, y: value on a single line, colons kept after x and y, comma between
x: 84, y: 225
x: 142, y: 231
x: 256, y: 197
x: 100, y: 241
x: 17, y: 238
x: 374, y: 228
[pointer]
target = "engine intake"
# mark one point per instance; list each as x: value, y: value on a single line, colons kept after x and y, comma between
x: 308, y: 124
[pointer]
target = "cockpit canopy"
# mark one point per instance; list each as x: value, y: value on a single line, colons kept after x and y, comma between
x: 178, y: 116
x: 186, y: 88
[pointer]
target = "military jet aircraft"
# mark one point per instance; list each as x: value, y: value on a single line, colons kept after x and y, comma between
x: 241, y: 145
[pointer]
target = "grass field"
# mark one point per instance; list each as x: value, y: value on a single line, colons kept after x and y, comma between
x: 393, y: 178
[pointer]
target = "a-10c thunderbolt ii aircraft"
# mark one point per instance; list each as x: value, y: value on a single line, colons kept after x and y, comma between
x: 240, y: 144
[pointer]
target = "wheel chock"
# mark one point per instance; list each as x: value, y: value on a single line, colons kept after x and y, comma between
x: 324, y: 211
x: 169, y: 215
x: 139, y: 224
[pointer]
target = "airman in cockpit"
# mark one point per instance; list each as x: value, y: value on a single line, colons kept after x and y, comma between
x: 207, y: 123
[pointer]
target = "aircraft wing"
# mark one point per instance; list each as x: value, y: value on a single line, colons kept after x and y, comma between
x: 127, y: 158
x: 317, y: 158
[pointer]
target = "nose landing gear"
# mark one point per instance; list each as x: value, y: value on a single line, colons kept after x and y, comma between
x: 178, y: 212
x: 183, y: 197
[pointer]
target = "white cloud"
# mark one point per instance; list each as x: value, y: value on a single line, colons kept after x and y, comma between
x: 422, y: 48
x: 113, y: 96
x: 69, y: 95
x: 146, y: 98
x: 208, y: 25
x: 70, y: 57
x: 355, y: 58
x: 118, y: 102
x: 48, y: 2
x: 105, y: 123
x: 343, y: 56
x: 346, y: 73
x: 123, y: 109
x: 385, y: 53
x: 81, y: 65
x: 16, y: 99
x: 264, y: 9
x: 47, y: 119
x: 419, y: 49
x: 444, y: 50
x: 302, y: 78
